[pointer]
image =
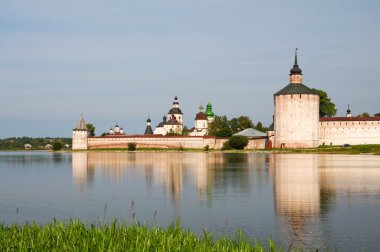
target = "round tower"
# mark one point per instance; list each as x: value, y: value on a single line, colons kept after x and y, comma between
x: 296, y: 113
x: 80, y: 135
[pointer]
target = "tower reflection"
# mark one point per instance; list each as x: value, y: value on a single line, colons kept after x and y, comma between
x: 297, y: 197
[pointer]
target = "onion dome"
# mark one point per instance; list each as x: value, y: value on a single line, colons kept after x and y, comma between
x: 148, y: 120
x: 295, y: 69
x: 175, y: 111
x: 209, y: 112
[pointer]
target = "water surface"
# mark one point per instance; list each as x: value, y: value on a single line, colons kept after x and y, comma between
x: 305, y: 200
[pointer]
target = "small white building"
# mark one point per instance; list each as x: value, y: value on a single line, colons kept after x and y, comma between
x: 200, y: 124
x: 116, y: 130
x: 27, y: 146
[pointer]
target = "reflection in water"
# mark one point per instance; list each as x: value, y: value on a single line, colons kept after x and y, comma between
x: 297, y: 197
x: 168, y: 169
x: 308, y: 189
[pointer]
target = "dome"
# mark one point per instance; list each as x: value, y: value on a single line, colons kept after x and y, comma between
x: 175, y: 111
x: 295, y: 69
x: 148, y: 120
x: 201, y: 116
x: 209, y: 112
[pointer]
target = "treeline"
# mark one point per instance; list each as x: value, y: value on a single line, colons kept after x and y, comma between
x: 222, y: 127
x: 37, y: 143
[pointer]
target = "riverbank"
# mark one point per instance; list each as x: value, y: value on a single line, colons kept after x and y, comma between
x: 75, y: 235
x: 373, y: 149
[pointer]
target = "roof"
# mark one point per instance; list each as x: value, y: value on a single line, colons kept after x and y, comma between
x: 201, y: 116
x: 81, y: 125
x: 148, y: 130
x: 175, y: 111
x: 295, y: 89
x: 348, y: 119
x: 251, y: 133
x: 172, y: 121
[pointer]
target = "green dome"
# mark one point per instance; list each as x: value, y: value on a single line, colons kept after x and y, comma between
x: 209, y: 112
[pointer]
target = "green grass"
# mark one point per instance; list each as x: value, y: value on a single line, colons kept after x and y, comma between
x: 75, y: 235
x: 354, y: 149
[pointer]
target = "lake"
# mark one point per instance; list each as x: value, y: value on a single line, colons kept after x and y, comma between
x: 299, y: 200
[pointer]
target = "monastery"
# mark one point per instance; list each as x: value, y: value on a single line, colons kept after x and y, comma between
x: 296, y: 125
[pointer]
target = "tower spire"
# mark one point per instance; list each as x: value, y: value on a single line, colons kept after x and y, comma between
x: 349, y: 111
x: 295, y: 72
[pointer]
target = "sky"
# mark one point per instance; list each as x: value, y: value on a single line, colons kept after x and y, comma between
x: 120, y: 61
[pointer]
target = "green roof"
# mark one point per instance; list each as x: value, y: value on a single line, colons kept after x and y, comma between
x: 295, y: 89
x: 209, y: 112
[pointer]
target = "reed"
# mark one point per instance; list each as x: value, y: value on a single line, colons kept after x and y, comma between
x: 76, y: 235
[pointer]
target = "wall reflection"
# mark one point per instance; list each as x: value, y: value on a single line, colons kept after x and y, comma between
x: 305, y: 186
x: 204, y: 171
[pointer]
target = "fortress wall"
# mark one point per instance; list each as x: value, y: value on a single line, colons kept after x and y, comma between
x: 155, y: 142
x: 349, y: 132
x: 166, y: 142
x: 296, y: 121
x: 259, y: 143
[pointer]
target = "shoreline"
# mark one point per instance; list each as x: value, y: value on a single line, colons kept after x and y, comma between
x: 351, y: 150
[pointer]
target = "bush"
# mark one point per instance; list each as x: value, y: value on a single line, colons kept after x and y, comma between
x: 238, y: 142
x: 131, y: 146
x: 206, y: 148
x: 57, y: 146
x: 226, y: 146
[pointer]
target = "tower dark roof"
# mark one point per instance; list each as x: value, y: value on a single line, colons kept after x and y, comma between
x: 295, y: 69
x: 148, y: 120
x: 295, y: 89
x: 175, y: 111
x: 348, y: 109
x: 148, y: 130
x: 201, y: 116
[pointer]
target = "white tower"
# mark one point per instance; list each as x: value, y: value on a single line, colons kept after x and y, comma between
x: 296, y: 114
x: 80, y: 134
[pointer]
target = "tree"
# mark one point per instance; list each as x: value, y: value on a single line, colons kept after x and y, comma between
x: 239, y: 124
x: 364, y: 114
x: 259, y: 126
x: 185, y: 131
x: 326, y: 106
x: 91, y: 129
x: 131, y: 146
x: 220, y: 127
x: 238, y: 142
x: 57, y: 146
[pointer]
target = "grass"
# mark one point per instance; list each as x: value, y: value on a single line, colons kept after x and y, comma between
x: 354, y: 149
x: 75, y: 235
